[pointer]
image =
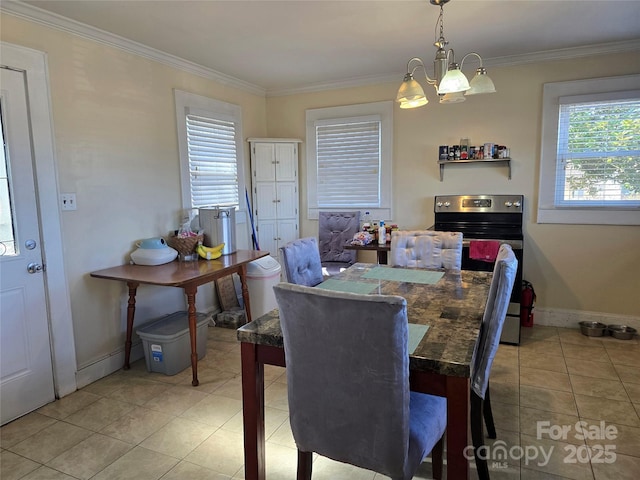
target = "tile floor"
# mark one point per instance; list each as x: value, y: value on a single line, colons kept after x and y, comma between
x: 137, y: 425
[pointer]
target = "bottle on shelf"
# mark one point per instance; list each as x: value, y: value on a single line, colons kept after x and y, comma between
x: 366, y: 222
x: 382, y: 234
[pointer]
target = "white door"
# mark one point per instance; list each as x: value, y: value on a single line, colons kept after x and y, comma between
x: 286, y: 162
x: 26, y: 374
x: 268, y: 237
x: 287, y: 200
x: 264, y: 162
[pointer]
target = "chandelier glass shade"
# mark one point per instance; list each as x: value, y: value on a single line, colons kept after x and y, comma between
x: 450, y: 83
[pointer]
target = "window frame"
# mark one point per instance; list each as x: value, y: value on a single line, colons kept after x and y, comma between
x: 550, y: 210
x: 323, y: 116
x: 187, y: 103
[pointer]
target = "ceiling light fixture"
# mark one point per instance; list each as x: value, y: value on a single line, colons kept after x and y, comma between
x: 450, y: 83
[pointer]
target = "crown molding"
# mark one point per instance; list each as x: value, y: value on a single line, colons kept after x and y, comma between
x: 565, y: 53
x: 43, y: 17
x: 59, y: 22
x: 506, y: 61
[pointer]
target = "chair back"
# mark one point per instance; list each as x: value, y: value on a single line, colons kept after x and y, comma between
x: 335, y: 230
x: 426, y: 249
x: 301, y: 260
x: 504, y: 274
x: 347, y: 375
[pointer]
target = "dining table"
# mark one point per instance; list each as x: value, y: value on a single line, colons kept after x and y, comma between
x: 186, y: 275
x: 444, y: 309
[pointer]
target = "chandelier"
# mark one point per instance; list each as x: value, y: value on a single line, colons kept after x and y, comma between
x: 450, y: 83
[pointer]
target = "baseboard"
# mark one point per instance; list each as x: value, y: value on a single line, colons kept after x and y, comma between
x: 106, y: 366
x: 556, y: 317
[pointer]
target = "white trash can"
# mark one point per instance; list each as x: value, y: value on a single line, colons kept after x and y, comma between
x: 262, y: 275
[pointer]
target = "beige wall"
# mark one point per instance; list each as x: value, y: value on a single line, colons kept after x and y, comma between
x: 116, y: 148
x: 592, y: 268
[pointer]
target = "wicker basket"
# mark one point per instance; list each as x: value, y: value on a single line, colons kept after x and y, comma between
x: 184, y: 245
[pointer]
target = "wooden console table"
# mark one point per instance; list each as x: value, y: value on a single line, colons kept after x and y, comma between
x: 381, y: 250
x: 186, y: 275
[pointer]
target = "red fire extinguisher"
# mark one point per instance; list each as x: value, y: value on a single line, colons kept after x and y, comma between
x: 527, y: 300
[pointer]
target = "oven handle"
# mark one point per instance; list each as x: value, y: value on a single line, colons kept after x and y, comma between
x: 514, y: 244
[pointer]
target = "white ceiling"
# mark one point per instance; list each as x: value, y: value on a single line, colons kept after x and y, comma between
x: 283, y: 46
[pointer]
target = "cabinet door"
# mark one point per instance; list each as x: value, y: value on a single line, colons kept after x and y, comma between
x: 268, y: 237
x: 286, y: 162
x: 287, y: 200
x: 264, y: 162
x: 265, y: 201
x: 287, y: 231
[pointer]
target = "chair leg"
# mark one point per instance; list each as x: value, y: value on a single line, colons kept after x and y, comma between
x: 477, y: 436
x: 305, y: 460
x: 488, y: 415
x: 436, y: 459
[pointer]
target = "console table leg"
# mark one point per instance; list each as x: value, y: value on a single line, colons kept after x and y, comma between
x: 131, y: 311
x: 190, y: 291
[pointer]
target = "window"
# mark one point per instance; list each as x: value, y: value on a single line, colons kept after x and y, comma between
x: 590, y: 167
x: 211, y: 153
x: 349, y: 158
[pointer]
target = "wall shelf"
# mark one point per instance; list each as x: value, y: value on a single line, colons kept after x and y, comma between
x: 442, y: 163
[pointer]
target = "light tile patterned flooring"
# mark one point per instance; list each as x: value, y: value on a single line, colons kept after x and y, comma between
x: 137, y: 425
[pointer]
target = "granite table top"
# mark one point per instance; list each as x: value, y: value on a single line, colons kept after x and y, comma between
x: 452, y: 308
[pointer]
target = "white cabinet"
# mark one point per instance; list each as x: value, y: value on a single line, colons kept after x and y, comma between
x: 274, y: 177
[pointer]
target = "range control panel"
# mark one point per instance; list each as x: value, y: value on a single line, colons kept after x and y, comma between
x: 479, y: 203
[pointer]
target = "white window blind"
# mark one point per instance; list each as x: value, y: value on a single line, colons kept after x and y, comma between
x: 213, y: 163
x: 598, y: 152
x: 348, y: 163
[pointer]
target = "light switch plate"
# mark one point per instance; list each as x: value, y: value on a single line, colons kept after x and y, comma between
x: 68, y: 201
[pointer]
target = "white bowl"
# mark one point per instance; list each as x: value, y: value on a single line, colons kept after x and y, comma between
x: 153, y: 256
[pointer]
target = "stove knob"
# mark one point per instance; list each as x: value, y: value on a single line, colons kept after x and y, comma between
x: 447, y: 204
x: 508, y: 204
x: 439, y: 204
x: 516, y: 204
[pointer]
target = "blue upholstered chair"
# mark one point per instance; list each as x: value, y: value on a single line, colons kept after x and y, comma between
x: 426, y: 249
x: 504, y: 274
x: 335, y: 230
x: 348, y: 383
x: 301, y: 260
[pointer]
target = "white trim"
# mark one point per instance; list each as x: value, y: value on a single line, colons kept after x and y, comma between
x: 548, y: 211
x: 106, y: 366
x: 557, y: 317
x: 56, y: 283
x: 59, y: 22
x: 273, y: 140
x: 185, y: 101
x: 385, y: 112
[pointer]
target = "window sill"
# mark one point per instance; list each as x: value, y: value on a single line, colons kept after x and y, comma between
x: 601, y: 216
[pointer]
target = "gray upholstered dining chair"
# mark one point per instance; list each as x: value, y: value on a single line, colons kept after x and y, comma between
x: 426, y: 249
x: 301, y: 260
x: 335, y: 230
x: 348, y: 383
x: 504, y: 274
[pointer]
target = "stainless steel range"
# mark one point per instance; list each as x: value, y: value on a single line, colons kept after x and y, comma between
x: 487, y: 217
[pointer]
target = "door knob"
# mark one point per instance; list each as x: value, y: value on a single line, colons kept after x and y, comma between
x: 34, y: 267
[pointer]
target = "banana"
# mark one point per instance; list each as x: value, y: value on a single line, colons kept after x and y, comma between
x: 209, y: 253
x: 217, y: 248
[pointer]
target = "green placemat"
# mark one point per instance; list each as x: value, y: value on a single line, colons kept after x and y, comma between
x: 411, y: 275
x: 416, y: 332
x: 347, y: 286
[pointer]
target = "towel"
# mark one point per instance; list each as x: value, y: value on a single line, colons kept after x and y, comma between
x: 484, y: 250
